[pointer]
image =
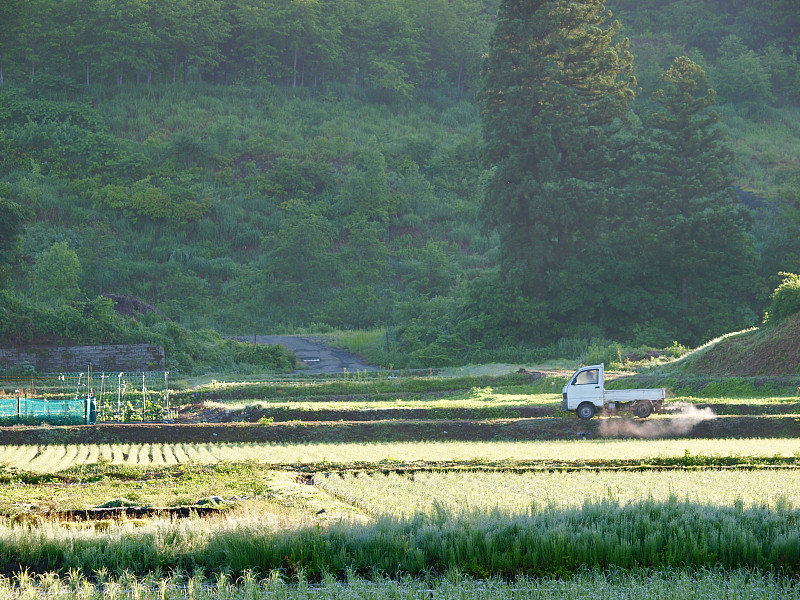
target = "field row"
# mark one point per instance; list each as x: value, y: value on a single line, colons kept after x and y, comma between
x: 53, y: 458
x: 404, y: 495
x: 381, y: 386
x: 703, y: 585
x: 365, y: 496
x: 494, y: 407
x: 546, y: 543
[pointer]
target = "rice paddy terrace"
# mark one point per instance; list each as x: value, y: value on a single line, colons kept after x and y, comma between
x: 384, y: 481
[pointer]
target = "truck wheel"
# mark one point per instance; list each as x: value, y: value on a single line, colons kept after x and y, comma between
x: 586, y: 411
x: 643, y: 409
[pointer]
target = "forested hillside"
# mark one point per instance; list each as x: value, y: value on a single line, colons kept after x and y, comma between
x: 258, y: 166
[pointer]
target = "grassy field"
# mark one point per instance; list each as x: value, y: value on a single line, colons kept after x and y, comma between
x: 404, y: 495
x: 713, y: 513
x: 369, y: 493
x: 55, y: 458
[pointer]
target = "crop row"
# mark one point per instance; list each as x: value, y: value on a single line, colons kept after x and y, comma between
x: 705, y: 388
x: 368, y: 384
x: 676, y: 585
x: 404, y: 495
x: 547, y: 543
x: 53, y: 458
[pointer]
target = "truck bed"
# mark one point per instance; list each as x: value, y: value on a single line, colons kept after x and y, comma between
x: 654, y: 395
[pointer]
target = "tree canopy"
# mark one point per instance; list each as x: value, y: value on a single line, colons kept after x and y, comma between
x: 556, y: 89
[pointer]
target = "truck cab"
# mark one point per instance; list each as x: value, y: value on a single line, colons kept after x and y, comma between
x: 584, y: 391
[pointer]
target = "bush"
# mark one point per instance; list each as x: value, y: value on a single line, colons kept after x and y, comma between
x: 56, y: 274
x: 785, y: 299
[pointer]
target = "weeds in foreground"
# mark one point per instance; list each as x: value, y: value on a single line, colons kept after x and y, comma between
x: 704, y: 584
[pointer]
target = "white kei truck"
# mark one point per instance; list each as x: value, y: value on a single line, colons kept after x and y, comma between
x: 585, y: 393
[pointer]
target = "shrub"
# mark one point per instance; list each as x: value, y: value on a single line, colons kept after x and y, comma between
x: 56, y: 274
x: 785, y: 299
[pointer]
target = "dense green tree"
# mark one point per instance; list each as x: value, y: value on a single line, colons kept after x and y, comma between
x: 555, y: 90
x: 299, y: 35
x: 36, y: 20
x: 777, y: 231
x: 473, y: 23
x: 302, y: 256
x: 12, y: 218
x: 191, y: 33
x: 698, y: 250
x: 381, y: 44
x: 11, y: 18
x: 250, y: 21
x: 740, y: 75
x: 56, y: 275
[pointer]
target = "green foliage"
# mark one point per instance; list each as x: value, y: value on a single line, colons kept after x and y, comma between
x: 12, y: 218
x: 544, y: 543
x: 56, y: 274
x: 96, y: 322
x: 701, y: 279
x: 450, y: 586
x: 261, y: 355
x: 292, y: 178
x: 740, y: 75
x: 66, y: 137
x: 333, y: 173
x: 552, y: 153
x: 391, y: 46
x: 172, y: 203
x: 785, y: 299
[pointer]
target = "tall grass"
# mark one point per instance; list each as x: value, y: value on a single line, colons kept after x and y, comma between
x: 358, y: 341
x: 403, y: 495
x: 543, y: 543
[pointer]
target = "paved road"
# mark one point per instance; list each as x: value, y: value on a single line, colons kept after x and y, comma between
x: 320, y: 357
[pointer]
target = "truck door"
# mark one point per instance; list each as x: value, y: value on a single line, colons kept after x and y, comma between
x: 586, y: 386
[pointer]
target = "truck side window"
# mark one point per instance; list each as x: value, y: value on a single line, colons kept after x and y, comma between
x: 586, y: 377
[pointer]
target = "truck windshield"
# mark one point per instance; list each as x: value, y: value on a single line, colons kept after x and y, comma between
x: 585, y: 377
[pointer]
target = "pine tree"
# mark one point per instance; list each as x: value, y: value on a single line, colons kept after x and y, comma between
x: 555, y: 91
x: 698, y: 251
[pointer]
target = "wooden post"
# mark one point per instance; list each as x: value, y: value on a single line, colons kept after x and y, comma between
x: 166, y: 394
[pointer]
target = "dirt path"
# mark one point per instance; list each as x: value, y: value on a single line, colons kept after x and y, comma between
x: 318, y: 356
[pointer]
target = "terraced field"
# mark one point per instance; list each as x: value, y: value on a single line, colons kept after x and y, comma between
x: 54, y: 458
x: 419, y: 478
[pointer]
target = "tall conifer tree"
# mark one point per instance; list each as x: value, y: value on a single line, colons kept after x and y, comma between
x: 698, y: 250
x: 554, y: 92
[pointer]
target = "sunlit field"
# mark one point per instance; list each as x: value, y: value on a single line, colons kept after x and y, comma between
x: 52, y: 458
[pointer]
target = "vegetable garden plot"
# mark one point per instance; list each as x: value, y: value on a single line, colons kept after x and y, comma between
x: 72, y: 398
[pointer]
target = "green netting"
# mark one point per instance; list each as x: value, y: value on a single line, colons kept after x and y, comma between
x: 36, y: 410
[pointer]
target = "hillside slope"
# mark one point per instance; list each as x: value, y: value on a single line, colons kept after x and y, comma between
x: 771, y: 350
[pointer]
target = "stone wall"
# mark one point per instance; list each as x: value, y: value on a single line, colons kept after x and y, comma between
x: 48, y: 359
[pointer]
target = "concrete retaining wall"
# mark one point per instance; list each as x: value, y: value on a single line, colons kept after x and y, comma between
x: 128, y: 357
